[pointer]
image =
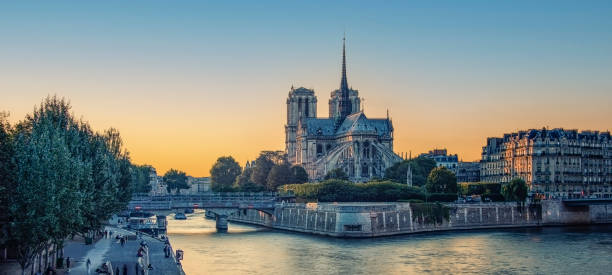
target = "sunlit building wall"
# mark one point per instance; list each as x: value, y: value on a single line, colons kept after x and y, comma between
x: 555, y: 163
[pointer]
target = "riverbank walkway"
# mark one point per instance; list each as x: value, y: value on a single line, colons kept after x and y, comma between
x: 110, y: 250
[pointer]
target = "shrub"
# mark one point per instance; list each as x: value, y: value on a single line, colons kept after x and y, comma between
x: 345, y: 191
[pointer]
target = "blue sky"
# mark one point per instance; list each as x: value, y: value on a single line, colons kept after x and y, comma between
x: 212, y: 77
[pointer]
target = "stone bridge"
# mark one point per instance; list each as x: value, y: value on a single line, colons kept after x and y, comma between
x: 221, y: 205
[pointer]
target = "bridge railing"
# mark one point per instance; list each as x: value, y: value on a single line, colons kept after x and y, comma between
x: 233, y: 196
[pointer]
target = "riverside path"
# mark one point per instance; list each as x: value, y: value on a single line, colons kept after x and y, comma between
x: 110, y: 250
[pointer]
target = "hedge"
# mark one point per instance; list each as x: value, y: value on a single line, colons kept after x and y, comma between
x: 345, y: 191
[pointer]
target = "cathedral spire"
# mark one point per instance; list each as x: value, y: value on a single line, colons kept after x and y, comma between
x: 345, y: 103
x: 343, y: 81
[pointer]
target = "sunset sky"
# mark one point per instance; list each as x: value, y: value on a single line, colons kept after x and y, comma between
x: 187, y: 82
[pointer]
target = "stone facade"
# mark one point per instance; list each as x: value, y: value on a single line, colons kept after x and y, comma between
x: 468, y: 171
x: 554, y: 163
x: 443, y: 159
x: 361, y: 146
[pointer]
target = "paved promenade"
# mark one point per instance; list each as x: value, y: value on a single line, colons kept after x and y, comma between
x: 111, y: 250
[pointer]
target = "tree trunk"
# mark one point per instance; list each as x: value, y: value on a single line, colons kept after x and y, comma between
x: 46, y: 257
x: 54, y: 255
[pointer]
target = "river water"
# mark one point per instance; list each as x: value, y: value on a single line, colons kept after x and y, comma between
x: 246, y: 249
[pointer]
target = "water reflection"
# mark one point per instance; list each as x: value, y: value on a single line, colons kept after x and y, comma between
x: 247, y: 249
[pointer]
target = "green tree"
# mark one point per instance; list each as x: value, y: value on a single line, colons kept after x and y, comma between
x: 176, y: 180
x: 441, y: 180
x: 244, y: 183
x: 58, y: 178
x: 298, y: 175
x: 279, y: 175
x: 141, y: 178
x: 421, y: 167
x: 337, y: 174
x: 6, y: 169
x: 223, y: 174
x: 515, y: 190
x: 263, y: 165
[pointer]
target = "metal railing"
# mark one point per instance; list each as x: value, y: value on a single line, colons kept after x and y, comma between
x: 234, y: 196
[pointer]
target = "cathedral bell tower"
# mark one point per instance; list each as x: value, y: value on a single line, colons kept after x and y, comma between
x: 301, y: 104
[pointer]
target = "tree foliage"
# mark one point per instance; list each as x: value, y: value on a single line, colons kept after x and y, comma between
x: 336, y: 174
x: 244, y: 183
x: 264, y: 164
x: 441, y: 180
x: 515, y: 190
x: 141, y: 178
x: 420, y: 167
x: 223, y: 174
x: 298, y: 175
x: 279, y: 175
x: 58, y: 177
x: 488, y: 190
x: 335, y: 190
x: 175, y: 180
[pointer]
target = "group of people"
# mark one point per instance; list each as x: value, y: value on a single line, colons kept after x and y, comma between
x: 106, y: 269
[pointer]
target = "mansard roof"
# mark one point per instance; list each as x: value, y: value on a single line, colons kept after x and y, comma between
x: 558, y: 133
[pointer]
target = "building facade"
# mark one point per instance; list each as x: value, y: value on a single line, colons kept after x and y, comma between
x: 554, y: 163
x: 443, y: 159
x: 197, y: 185
x: 468, y: 171
x: 347, y: 139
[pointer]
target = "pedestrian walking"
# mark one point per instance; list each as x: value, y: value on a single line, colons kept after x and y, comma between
x: 117, y: 270
x: 136, y: 268
x: 124, y: 269
x: 68, y: 263
x: 88, y: 265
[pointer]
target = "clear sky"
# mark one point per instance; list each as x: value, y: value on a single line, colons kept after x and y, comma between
x: 187, y: 82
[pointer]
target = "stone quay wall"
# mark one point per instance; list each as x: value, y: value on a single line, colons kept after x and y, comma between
x: 555, y: 213
x: 382, y: 219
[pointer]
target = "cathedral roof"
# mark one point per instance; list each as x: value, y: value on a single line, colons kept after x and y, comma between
x: 319, y: 126
x: 352, y: 124
x: 359, y: 123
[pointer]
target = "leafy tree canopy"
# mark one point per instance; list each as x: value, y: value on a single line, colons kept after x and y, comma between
x: 298, y: 175
x: 337, y: 174
x: 421, y: 167
x: 279, y: 175
x: 515, y: 190
x: 441, y: 180
x: 176, y: 180
x: 141, y: 178
x: 223, y: 174
x: 58, y: 177
x: 244, y: 183
x: 263, y: 165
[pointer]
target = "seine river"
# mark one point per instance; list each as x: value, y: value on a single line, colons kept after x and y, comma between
x: 254, y: 250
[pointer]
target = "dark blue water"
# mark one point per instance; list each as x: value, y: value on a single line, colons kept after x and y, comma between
x: 253, y: 250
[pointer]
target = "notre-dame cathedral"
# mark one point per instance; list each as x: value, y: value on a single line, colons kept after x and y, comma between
x: 361, y: 146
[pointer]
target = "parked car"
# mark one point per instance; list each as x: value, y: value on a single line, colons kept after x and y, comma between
x: 180, y: 216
